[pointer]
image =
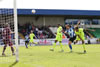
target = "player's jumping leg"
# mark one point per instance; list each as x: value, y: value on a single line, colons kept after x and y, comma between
x: 12, y: 49
x: 61, y: 46
x: 83, y: 46
x: 4, y: 48
x: 54, y: 45
x: 34, y: 42
x: 75, y: 41
x: 70, y: 46
x: 30, y: 42
x: 26, y: 44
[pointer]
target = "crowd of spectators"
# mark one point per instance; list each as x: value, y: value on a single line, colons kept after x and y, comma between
x: 41, y: 32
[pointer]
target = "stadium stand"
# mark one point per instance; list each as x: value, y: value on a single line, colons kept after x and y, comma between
x: 21, y: 36
x: 43, y: 31
x: 96, y: 33
x: 39, y: 31
x: 89, y: 34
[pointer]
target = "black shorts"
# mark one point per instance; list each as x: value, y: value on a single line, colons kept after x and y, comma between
x: 26, y: 41
x: 72, y: 38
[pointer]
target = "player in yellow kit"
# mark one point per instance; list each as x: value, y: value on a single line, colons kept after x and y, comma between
x: 80, y: 36
x: 58, y: 38
x: 31, y: 36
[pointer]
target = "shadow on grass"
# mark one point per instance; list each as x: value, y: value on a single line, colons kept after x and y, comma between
x: 13, y: 64
x: 60, y: 52
x: 76, y: 53
x: 3, y: 56
x: 70, y: 52
x: 80, y: 53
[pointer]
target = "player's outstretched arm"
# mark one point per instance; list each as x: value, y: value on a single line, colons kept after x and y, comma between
x: 35, y: 37
x: 12, y: 32
x: 89, y: 30
x: 78, y: 23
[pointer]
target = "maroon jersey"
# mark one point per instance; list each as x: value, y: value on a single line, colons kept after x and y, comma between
x: 6, y: 33
x: 7, y: 36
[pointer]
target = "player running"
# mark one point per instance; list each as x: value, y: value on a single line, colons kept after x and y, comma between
x: 58, y: 38
x: 31, y: 36
x: 80, y: 36
x: 70, y: 34
x: 7, y: 39
x: 26, y: 40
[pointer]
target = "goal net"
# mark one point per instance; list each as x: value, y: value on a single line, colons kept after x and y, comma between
x: 8, y: 15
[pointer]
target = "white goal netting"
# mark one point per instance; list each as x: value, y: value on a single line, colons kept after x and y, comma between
x: 8, y: 18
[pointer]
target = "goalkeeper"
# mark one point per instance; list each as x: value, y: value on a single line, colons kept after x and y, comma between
x: 7, y: 39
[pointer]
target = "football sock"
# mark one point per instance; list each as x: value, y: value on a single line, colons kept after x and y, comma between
x: 4, y: 49
x: 12, y: 49
x: 30, y: 44
x: 61, y: 46
x: 54, y: 45
x: 70, y: 46
x: 84, y: 46
x: 26, y: 45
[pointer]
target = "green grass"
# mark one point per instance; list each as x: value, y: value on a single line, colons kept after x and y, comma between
x: 40, y: 56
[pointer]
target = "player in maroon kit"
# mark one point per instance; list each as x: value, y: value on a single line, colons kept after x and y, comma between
x: 6, y: 34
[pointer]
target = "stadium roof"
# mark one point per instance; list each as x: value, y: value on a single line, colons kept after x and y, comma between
x: 58, y: 12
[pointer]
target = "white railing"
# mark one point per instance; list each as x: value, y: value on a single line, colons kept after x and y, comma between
x: 92, y: 26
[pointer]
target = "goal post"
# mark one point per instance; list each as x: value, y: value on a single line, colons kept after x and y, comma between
x: 9, y: 15
x: 16, y: 29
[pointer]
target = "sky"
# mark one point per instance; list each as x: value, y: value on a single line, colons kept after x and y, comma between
x: 53, y: 4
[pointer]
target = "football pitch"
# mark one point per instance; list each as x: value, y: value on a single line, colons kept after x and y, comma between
x: 40, y: 56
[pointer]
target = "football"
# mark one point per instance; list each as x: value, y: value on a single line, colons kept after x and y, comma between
x: 33, y: 11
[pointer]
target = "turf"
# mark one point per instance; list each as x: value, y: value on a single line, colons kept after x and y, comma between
x: 40, y: 56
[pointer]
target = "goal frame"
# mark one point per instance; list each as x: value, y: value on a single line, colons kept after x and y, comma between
x: 16, y: 29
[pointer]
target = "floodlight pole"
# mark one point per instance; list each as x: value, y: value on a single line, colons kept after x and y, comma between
x: 16, y: 30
